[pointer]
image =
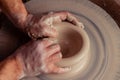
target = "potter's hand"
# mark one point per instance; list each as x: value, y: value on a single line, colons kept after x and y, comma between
x: 36, y: 27
x: 59, y: 17
x: 40, y: 57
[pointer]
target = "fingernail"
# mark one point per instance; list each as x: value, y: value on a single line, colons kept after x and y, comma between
x: 80, y: 25
x: 66, y: 69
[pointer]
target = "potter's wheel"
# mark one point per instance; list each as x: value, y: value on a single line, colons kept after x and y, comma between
x: 103, y: 33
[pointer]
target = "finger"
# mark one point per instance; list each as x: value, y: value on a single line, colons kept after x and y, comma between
x: 49, y: 32
x: 64, y: 15
x: 56, y: 69
x: 53, y: 18
x: 52, y: 50
x: 60, y: 15
x: 74, y: 20
x: 70, y: 17
x: 55, y: 57
x: 50, y: 18
x: 47, y: 42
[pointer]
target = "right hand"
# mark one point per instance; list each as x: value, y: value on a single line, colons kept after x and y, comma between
x: 39, y: 27
x: 39, y: 57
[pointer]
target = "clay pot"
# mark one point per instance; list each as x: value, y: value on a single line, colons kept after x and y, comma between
x: 75, y: 47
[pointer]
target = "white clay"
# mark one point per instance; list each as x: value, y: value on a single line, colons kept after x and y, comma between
x: 75, y: 47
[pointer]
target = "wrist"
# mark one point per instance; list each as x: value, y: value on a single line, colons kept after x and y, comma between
x: 21, y: 21
x: 29, y: 29
x: 20, y: 66
x: 11, y: 69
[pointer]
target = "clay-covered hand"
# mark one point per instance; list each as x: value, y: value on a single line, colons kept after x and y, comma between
x: 39, y: 57
x: 43, y: 27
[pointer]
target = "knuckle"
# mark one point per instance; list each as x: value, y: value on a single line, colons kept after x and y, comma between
x: 57, y: 46
x: 45, y: 41
x: 43, y: 31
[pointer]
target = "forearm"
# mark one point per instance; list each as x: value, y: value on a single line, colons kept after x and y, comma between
x: 10, y: 69
x: 15, y: 10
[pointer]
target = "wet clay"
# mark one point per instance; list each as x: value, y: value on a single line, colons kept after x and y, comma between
x: 70, y: 40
